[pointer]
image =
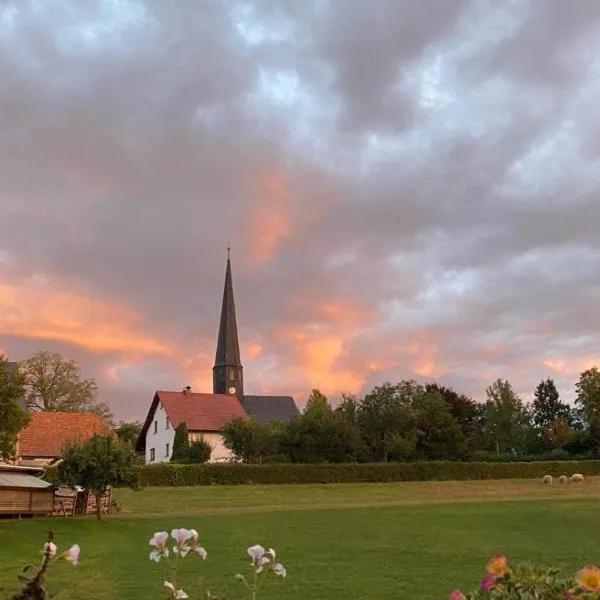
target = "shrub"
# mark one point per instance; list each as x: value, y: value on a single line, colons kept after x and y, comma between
x: 166, y: 474
x: 199, y: 452
x: 522, y: 581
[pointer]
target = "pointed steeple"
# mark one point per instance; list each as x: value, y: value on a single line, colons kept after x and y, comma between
x: 227, y: 371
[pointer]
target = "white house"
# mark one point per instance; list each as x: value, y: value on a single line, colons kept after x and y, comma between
x: 204, y: 414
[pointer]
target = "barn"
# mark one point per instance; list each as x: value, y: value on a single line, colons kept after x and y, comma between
x: 23, y: 493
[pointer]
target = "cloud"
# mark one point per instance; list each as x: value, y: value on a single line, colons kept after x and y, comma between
x: 407, y: 192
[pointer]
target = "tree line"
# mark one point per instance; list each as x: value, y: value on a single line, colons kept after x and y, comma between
x: 411, y: 421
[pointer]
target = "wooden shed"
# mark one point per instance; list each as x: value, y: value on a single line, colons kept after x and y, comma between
x: 22, y: 493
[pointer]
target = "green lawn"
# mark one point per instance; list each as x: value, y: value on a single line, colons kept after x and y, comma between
x: 403, y: 540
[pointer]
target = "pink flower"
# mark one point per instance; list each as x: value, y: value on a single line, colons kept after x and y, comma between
x: 457, y: 595
x: 159, y: 542
x: 199, y: 550
x: 72, y: 554
x: 181, y: 537
x: 256, y: 553
x: 488, y: 582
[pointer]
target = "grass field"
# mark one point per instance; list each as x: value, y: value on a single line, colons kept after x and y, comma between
x: 384, y: 541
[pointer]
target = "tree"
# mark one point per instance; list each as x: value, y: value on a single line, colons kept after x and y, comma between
x: 558, y: 432
x: 12, y: 416
x: 248, y: 440
x: 547, y: 407
x: 468, y: 415
x: 101, y: 462
x: 53, y: 383
x: 588, y: 394
x: 128, y: 433
x: 506, y: 418
x: 320, y: 434
x: 386, y: 416
x: 181, y: 443
x: 438, y: 433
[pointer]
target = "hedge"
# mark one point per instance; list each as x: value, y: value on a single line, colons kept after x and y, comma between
x: 168, y: 474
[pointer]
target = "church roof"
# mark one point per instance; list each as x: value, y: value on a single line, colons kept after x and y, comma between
x: 270, y: 408
x: 228, y: 348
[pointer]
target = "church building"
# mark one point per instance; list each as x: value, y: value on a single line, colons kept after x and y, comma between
x: 206, y: 414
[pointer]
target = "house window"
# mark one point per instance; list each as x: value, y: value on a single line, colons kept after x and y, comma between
x: 155, y: 426
x: 167, y: 450
x: 167, y: 423
x: 152, y: 454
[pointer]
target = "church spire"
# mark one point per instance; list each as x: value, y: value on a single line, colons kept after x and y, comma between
x: 227, y: 372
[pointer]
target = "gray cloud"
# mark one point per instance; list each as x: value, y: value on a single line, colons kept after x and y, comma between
x: 409, y: 190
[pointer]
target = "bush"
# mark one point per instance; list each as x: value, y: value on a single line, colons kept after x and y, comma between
x: 169, y: 474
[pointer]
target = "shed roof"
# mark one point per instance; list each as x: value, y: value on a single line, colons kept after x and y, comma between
x: 22, y: 480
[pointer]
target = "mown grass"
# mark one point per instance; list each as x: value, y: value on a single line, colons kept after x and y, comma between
x: 402, y: 540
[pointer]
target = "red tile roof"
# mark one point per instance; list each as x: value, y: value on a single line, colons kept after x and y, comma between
x: 201, y: 412
x: 48, y: 432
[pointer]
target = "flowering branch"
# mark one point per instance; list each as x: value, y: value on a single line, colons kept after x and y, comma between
x: 34, y: 588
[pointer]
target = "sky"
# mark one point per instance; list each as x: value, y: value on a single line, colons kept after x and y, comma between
x: 409, y: 189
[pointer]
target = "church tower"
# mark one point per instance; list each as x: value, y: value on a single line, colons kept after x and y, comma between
x: 227, y: 372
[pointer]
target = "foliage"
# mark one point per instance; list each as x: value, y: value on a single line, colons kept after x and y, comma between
x: 524, y: 581
x: 181, y: 443
x: 506, y: 419
x: 128, y: 433
x: 33, y: 585
x: 263, y: 562
x: 12, y: 416
x: 199, y: 451
x: 319, y: 435
x: 101, y: 462
x: 468, y: 415
x: 558, y: 432
x: 547, y: 407
x: 168, y: 474
x: 588, y: 394
x: 248, y: 440
x: 53, y: 383
x: 439, y: 434
x: 385, y: 415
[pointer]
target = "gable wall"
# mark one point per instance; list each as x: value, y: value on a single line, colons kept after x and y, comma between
x: 161, y: 438
x: 220, y: 452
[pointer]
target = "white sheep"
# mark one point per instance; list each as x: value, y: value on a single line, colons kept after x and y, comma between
x: 547, y: 479
x: 563, y: 479
x: 576, y: 478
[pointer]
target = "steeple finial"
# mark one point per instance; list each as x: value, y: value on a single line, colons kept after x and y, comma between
x: 228, y: 250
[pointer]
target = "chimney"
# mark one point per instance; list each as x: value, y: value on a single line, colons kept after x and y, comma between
x: 187, y: 390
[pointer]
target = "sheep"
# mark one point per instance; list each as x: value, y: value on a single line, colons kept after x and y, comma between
x: 576, y: 478
x: 547, y: 479
x: 563, y: 479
